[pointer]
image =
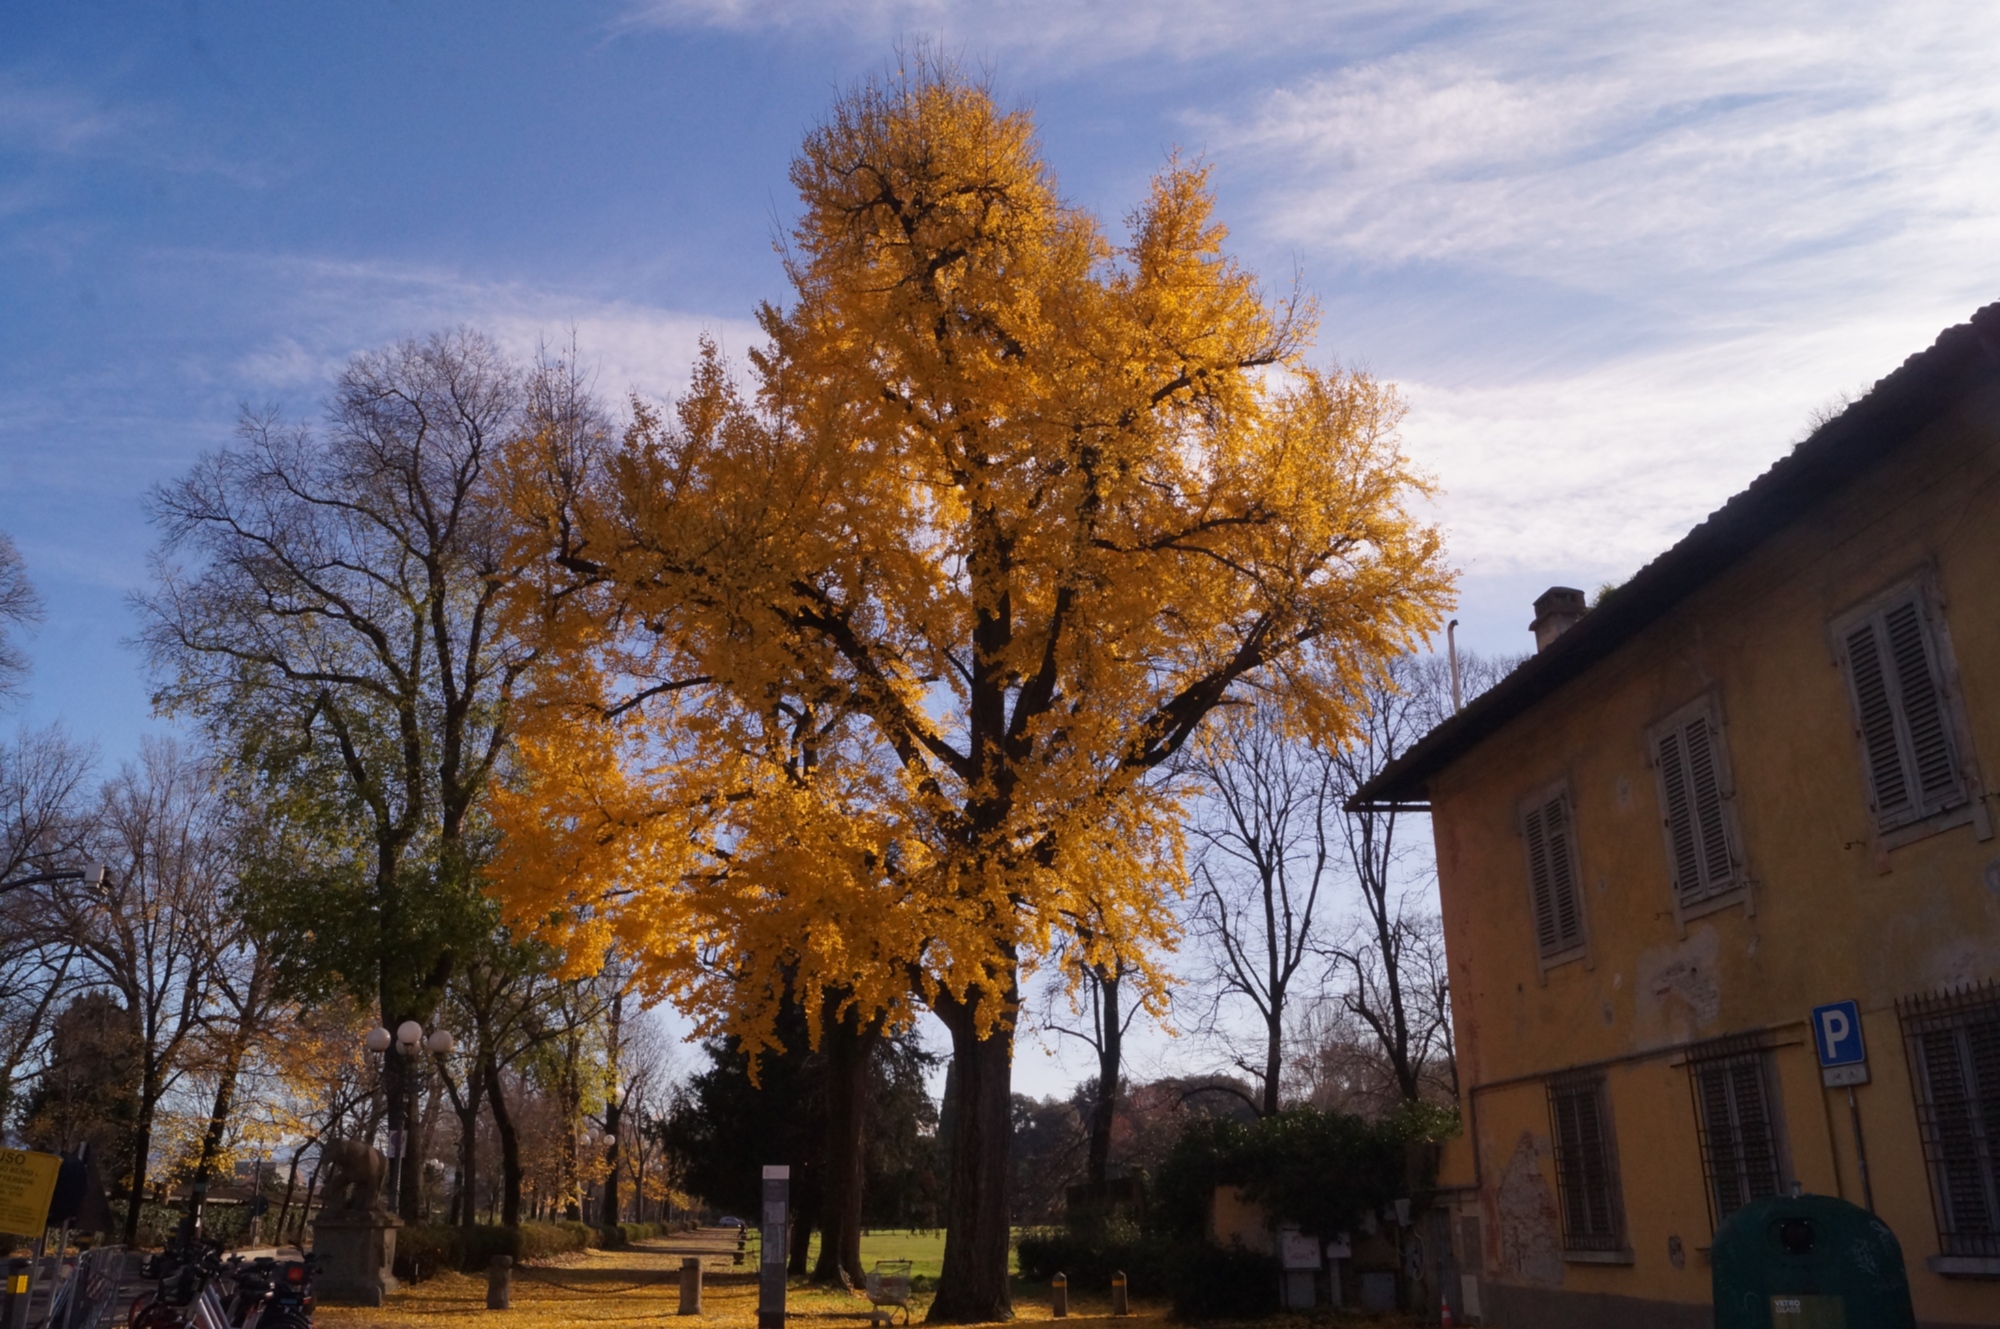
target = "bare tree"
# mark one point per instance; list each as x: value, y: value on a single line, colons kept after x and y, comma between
x: 1264, y: 834
x: 1089, y: 1003
x: 42, y: 826
x: 1340, y: 1062
x: 145, y: 932
x: 1393, y: 955
x: 19, y: 608
x: 340, y: 632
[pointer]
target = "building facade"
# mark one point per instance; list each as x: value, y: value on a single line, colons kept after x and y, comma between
x: 1757, y: 779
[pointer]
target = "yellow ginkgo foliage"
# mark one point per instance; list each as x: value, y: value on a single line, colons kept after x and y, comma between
x: 869, y: 679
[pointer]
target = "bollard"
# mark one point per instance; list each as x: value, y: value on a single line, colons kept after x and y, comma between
x: 1118, y: 1306
x: 690, y: 1285
x: 20, y: 1280
x: 499, y: 1282
x: 1059, y: 1295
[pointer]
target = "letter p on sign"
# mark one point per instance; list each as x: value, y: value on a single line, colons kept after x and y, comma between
x: 1837, y: 1031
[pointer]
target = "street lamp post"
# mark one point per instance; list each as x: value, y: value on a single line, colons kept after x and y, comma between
x: 407, y: 1040
x: 90, y: 874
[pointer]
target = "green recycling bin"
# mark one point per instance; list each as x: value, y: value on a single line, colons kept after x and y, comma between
x: 1809, y: 1262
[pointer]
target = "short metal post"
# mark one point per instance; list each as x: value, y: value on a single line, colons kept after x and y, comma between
x: 1059, y: 1295
x: 20, y: 1280
x: 1118, y: 1304
x: 499, y: 1282
x: 690, y: 1285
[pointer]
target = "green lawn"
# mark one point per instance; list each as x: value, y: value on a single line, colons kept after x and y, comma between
x: 924, y: 1250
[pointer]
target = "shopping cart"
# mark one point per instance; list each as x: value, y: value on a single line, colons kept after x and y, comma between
x: 888, y: 1291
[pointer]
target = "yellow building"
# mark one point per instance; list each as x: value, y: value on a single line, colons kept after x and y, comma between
x: 1748, y: 783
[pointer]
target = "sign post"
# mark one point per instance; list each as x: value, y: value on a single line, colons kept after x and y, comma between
x: 1843, y: 1063
x: 771, y: 1263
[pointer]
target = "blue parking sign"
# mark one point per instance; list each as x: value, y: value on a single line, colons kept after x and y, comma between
x: 1837, y: 1032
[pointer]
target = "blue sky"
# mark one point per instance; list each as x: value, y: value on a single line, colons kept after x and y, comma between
x: 1614, y: 254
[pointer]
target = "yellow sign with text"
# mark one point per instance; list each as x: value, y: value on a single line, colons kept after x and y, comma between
x: 27, y: 1182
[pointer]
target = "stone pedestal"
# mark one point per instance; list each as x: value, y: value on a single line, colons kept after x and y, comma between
x: 357, y: 1251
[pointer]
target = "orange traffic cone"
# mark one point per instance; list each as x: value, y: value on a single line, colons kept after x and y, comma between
x: 1444, y: 1313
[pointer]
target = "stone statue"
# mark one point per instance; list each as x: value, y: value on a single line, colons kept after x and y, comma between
x: 355, y: 1171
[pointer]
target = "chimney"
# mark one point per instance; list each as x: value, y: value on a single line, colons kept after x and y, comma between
x: 1556, y: 611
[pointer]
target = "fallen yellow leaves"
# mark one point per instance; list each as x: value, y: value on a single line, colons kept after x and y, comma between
x: 643, y: 1286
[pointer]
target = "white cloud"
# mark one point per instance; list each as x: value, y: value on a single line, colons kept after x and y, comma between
x: 1754, y: 208
x: 1062, y: 33
x: 1591, y: 474
x: 1635, y: 155
x: 335, y: 309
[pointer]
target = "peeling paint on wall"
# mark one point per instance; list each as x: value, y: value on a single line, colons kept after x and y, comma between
x: 1675, y: 992
x: 1526, y: 1221
x: 1963, y: 961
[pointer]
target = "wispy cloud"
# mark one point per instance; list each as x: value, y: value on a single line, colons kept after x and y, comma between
x: 1741, y: 149
x: 339, y: 307
x: 1710, y: 219
x: 42, y: 117
x: 1059, y: 33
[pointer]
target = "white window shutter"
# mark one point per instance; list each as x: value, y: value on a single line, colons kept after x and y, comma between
x: 1933, y: 763
x: 1701, y: 852
x: 1678, y: 810
x: 1718, y: 868
x: 1875, y: 709
x: 1908, y: 749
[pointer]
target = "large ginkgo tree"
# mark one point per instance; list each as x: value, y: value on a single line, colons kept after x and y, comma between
x: 868, y: 670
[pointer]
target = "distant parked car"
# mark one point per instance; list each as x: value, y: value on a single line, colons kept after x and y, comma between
x: 730, y: 1220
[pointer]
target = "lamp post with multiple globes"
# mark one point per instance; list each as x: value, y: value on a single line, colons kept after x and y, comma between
x: 405, y: 1043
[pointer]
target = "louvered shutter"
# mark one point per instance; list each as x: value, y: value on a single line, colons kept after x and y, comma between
x: 1961, y: 1067
x: 1584, y: 1171
x: 1688, y: 757
x: 1739, y: 1145
x: 1906, y: 736
x: 1558, y: 909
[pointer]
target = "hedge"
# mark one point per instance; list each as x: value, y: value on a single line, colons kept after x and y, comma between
x: 1321, y: 1170
x: 435, y: 1246
x: 1204, y: 1282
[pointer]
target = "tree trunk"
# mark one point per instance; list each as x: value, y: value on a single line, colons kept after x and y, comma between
x: 1110, y: 1049
x: 609, y: 1214
x: 305, y: 1209
x: 291, y: 1185
x: 850, y: 1044
x: 510, y: 1150
x: 972, y: 1286
x: 218, y: 1122
x: 468, y: 1146
x: 1274, y: 1054
x: 142, y: 1148
x: 806, y: 1210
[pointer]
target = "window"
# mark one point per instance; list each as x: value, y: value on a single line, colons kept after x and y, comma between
x: 1695, y: 797
x: 1553, y: 890
x: 1902, y: 712
x: 1738, y: 1129
x: 1953, y: 1044
x: 1586, y: 1166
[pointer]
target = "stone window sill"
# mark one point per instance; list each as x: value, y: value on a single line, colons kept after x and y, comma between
x: 1964, y: 1266
x: 1597, y: 1257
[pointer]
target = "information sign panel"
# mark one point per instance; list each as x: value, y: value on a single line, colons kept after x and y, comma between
x: 27, y: 1183
x: 1843, y: 1060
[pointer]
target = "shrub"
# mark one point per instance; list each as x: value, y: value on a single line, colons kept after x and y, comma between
x: 435, y: 1246
x: 1089, y: 1261
x: 1213, y: 1283
x: 1321, y: 1170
